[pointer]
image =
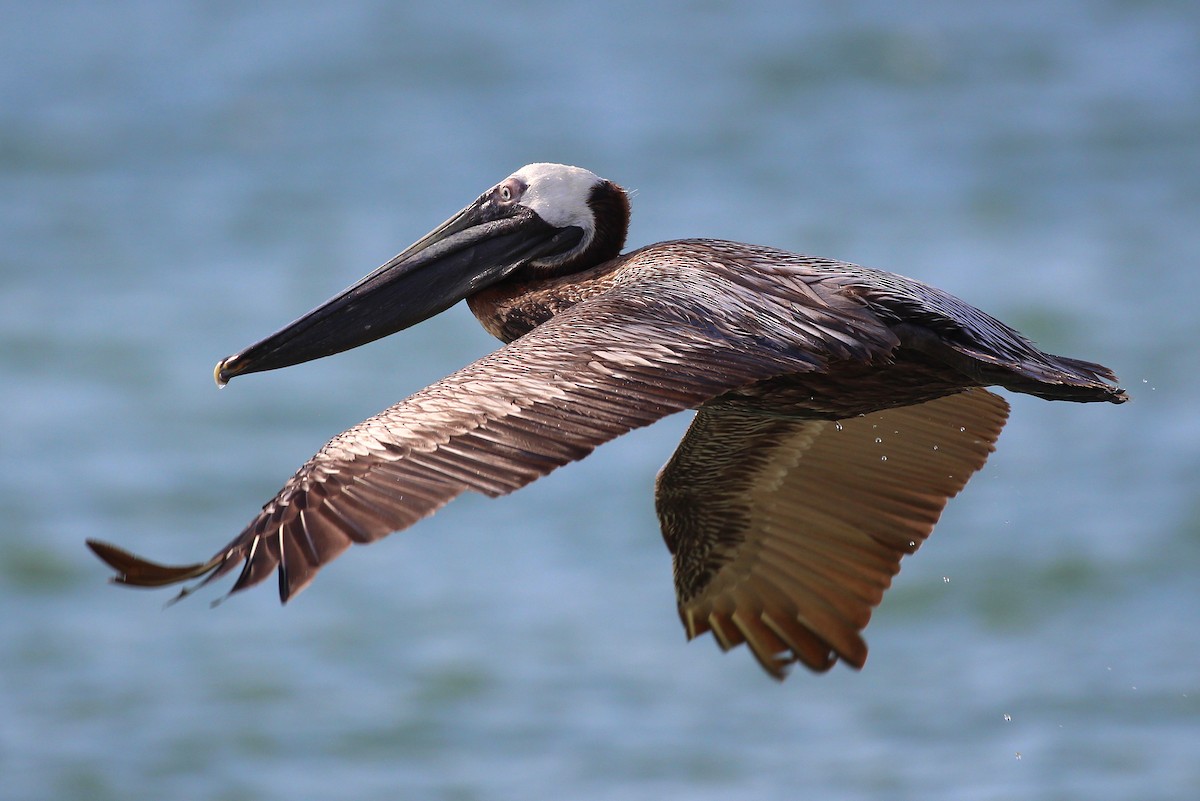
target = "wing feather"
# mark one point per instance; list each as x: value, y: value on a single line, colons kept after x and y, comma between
x: 801, y: 524
x: 621, y: 360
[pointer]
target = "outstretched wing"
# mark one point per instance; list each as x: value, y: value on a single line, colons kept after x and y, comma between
x: 785, y: 533
x: 617, y: 361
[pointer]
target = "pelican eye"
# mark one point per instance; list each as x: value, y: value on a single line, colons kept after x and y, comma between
x: 510, y: 191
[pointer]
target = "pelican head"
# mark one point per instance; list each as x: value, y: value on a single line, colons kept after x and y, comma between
x: 543, y: 220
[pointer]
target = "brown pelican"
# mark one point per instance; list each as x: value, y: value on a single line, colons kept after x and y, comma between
x: 839, y: 408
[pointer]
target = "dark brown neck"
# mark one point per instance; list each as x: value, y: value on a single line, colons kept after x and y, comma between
x: 512, y: 309
x: 610, y: 209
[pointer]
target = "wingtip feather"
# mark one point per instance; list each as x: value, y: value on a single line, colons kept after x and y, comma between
x: 135, y: 571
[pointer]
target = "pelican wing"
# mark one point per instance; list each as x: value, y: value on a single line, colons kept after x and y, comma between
x: 785, y: 533
x: 624, y: 358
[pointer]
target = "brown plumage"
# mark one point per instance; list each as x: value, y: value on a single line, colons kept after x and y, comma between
x: 839, y: 409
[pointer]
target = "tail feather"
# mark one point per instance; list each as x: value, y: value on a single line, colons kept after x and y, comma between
x: 1013, y: 362
x: 1062, y: 378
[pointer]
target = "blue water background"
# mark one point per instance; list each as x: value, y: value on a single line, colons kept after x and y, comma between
x: 179, y: 179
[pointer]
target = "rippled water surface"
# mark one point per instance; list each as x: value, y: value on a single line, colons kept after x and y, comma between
x: 177, y: 180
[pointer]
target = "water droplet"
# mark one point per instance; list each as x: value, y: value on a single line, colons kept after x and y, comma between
x: 1018, y: 755
x: 878, y: 440
x: 883, y: 458
x: 935, y: 447
x: 837, y: 424
x: 962, y: 428
x: 1007, y: 718
x: 945, y: 579
x: 912, y: 544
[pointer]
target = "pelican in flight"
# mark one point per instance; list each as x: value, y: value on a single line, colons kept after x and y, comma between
x: 838, y: 409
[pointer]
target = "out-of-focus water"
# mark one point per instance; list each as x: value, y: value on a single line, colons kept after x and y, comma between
x: 177, y: 180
